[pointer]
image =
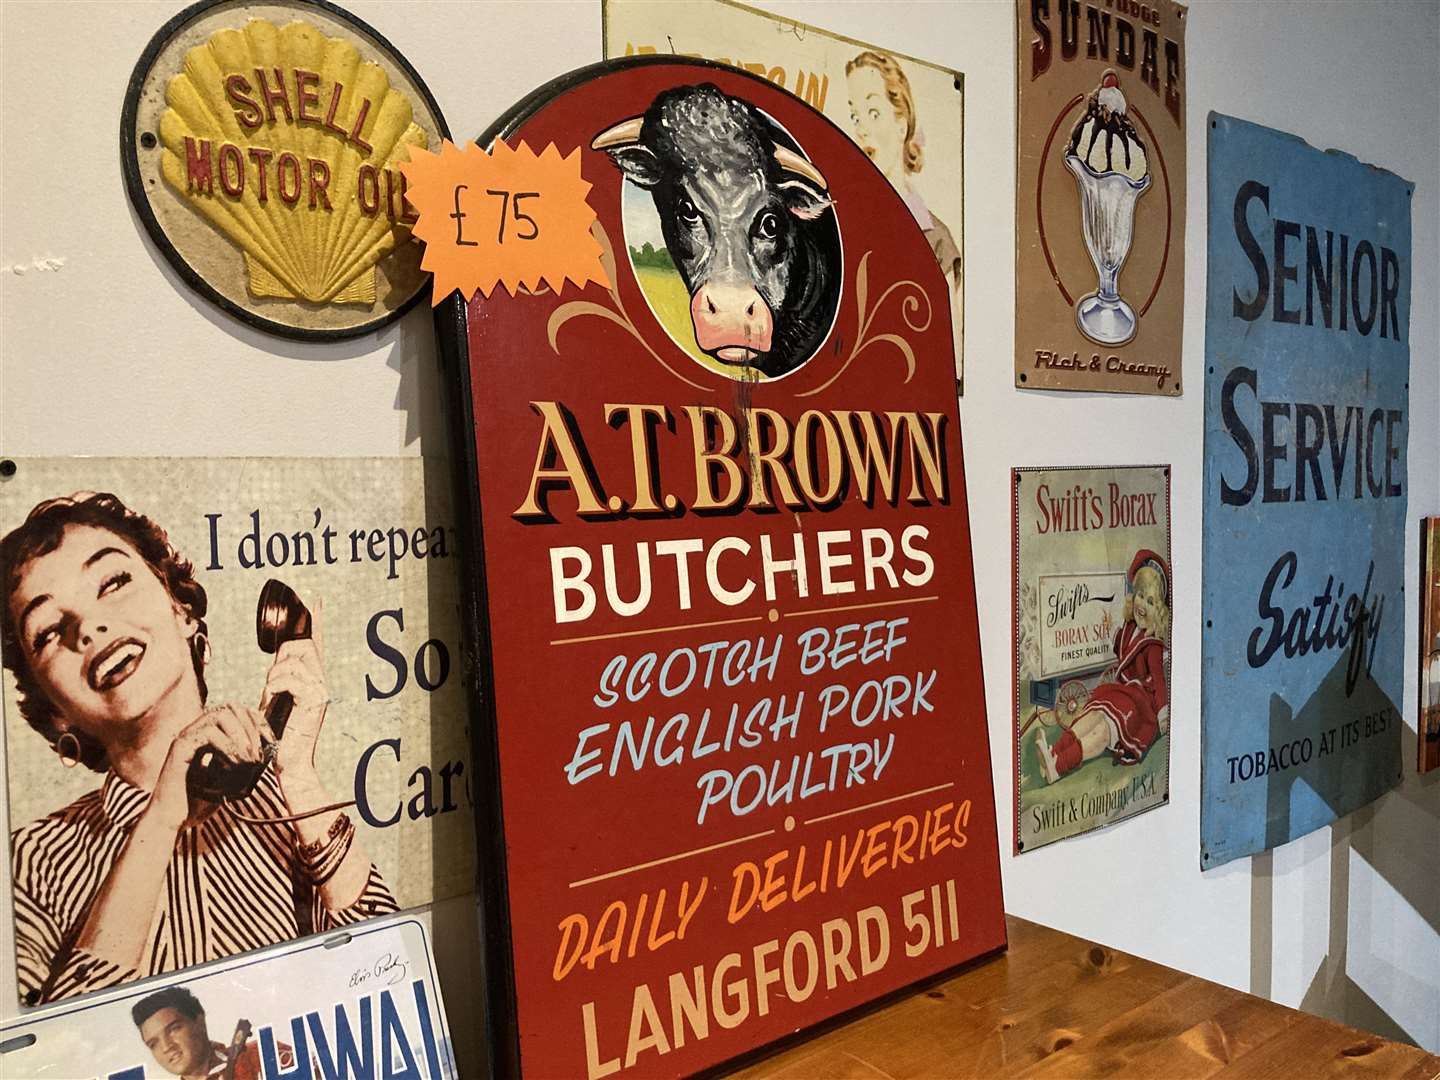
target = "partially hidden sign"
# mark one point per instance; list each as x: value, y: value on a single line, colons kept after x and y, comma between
x: 364, y: 549
x: 1306, y: 423
x: 1100, y: 196
x: 1428, y: 717
x: 262, y: 146
x: 730, y: 693
x: 364, y: 1002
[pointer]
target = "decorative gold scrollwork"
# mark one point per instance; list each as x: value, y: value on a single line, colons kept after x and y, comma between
x: 618, y: 315
x: 917, y: 319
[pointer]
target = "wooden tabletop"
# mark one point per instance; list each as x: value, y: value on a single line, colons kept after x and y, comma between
x: 1059, y: 1006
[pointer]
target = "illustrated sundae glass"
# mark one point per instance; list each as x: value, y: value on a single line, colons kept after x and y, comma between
x: 1112, y: 171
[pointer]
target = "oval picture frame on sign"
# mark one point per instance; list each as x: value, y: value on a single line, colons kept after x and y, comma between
x: 260, y: 145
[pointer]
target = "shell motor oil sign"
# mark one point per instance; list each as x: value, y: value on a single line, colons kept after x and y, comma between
x: 262, y: 150
x: 730, y: 719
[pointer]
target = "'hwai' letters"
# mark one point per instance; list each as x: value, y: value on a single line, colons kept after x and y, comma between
x: 359, y: 1006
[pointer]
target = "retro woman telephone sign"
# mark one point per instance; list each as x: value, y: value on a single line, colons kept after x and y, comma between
x: 211, y: 832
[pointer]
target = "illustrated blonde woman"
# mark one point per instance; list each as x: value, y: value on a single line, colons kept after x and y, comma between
x: 882, y: 116
x: 104, y: 631
x: 1130, y: 708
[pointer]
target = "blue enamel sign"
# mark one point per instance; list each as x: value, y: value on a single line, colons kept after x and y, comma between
x: 1306, y: 423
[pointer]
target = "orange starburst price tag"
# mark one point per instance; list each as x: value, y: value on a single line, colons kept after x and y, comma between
x: 509, y: 217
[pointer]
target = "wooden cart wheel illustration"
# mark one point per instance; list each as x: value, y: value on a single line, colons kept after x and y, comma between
x: 1070, y: 702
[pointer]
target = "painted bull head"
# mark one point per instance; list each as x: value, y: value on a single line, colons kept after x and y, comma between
x: 747, y: 221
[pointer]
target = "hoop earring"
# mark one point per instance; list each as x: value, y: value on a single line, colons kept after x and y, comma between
x: 69, y: 761
x: 200, y: 643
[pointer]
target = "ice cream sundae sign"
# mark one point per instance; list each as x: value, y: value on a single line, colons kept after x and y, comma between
x: 1100, y: 196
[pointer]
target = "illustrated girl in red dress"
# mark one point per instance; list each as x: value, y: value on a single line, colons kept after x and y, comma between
x: 1130, y: 708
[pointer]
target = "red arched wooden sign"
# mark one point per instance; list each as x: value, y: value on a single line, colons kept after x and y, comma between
x: 730, y: 723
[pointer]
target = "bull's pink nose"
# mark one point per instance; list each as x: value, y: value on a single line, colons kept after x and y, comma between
x: 731, y: 321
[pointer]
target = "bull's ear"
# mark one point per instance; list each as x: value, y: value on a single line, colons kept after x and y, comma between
x: 804, y: 199
x: 637, y: 162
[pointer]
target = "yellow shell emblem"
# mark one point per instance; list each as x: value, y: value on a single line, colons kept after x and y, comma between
x: 289, y: 144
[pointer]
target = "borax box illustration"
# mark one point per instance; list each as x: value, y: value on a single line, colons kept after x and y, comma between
x: 1100, y: 196
x: 733, y: 669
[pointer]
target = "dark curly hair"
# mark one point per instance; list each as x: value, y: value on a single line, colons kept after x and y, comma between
x: 172, y: 997
x: 41, y: 534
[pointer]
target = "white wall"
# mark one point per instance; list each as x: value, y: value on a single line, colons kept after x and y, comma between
x: 111, y: 354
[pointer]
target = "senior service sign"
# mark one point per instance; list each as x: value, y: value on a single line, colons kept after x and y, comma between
x: 1306, y: 422
x: 733, y: 671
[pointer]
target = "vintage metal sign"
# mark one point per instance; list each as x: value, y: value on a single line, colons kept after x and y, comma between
x: 907, y: 115
x: 732, y: 689
x: 261, y: 145
x: 1306, y: 424
x: 1093, y: 596
x: 155, y: 609
x: 361, y: 1003
x: 1428, y: 715
x: 1100, y: 196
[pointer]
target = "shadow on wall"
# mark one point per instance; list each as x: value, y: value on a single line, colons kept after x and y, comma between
x: 454, y: 927
x: 1347, y: 691
x: 1412, y: 870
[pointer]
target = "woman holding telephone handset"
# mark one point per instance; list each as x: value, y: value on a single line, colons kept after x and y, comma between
x: 211, y: 832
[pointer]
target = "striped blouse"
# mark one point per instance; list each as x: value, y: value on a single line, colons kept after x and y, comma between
x: 231, y: 887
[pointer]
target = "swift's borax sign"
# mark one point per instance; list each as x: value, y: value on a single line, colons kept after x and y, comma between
x: 729, y: 686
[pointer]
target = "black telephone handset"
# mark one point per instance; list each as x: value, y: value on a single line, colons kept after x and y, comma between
x: 280, y: 616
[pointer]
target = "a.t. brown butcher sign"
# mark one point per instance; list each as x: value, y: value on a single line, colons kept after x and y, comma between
x: 730, y: 700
